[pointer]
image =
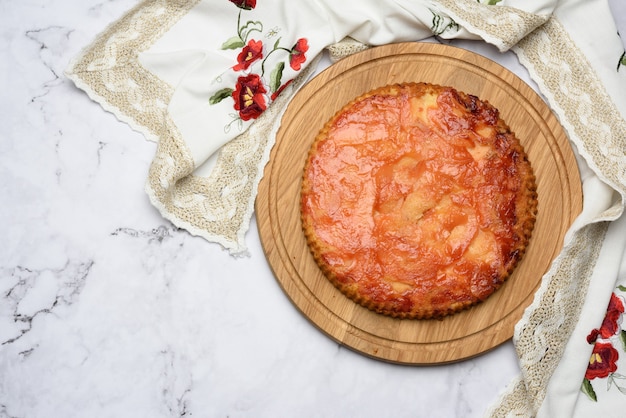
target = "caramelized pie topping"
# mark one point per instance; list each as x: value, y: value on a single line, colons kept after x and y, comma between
x: 417, y: 200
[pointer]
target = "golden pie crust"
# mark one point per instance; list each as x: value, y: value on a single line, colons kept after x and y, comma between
x: 417, y: 200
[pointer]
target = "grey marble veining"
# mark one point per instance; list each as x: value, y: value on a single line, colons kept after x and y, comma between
x: 107, y: 310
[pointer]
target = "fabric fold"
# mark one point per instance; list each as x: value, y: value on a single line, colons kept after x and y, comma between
x: 503, y: 26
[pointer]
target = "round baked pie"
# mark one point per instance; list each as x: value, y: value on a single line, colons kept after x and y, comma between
x: 417, y: 200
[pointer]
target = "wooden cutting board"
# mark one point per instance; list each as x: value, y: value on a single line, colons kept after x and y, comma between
x: 456, y: 337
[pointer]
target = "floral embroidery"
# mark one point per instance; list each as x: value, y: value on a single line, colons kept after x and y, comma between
x: 604, y: 357
x: 621, y: 61
x: 611, y: 324
x: 249, y: 54
x: 441, y: 24
x: 296, y: 57
x: 272, y: 32
x: 249, y: 98
x: 244, y: 4
x: 280, y: 89
x: 253, y: 92
x: 603, y: 361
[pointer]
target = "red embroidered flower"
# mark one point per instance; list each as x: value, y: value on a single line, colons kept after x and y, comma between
x: 249, y: 97
x: 280, y: 90
x: 244, y: 4
x: 250, y: 53
x: 297, y: 57
x: 602, y: 362
x: 611, y: 324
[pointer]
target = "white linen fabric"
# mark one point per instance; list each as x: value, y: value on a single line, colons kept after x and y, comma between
x: 209, y: 80
x: 618, y: 10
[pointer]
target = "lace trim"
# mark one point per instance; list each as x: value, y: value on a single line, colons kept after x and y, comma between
x: 564, y: 76
x: 217, y: 207
x: 501, y: 26
x: 110, y: 73
x: 581, y: 102
x: 344, y: 48
x: 542, y: 334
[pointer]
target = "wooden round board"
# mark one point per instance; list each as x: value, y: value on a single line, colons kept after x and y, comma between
x: 455, y: 337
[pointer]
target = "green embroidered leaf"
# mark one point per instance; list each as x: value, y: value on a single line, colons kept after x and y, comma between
x: 275, y: 76
x: 441, y: 24
x: 622, y: 338
x: 276, y: 44
x: 220, y: 95
x: 434, y: 27
x: 249, y: 27
x: 612, y: 379
x: 622, y: 288
x: 233, y: 43
x: 587, y: 389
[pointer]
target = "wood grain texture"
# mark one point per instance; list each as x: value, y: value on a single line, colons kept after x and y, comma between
x: 459, y: 336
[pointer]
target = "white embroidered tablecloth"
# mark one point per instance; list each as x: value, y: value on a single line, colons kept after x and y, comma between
x: 208, y: 81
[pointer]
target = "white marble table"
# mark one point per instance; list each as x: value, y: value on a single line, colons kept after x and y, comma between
x: 107, y: 310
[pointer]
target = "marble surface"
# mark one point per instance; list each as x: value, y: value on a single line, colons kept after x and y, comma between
x: 108, y: 310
